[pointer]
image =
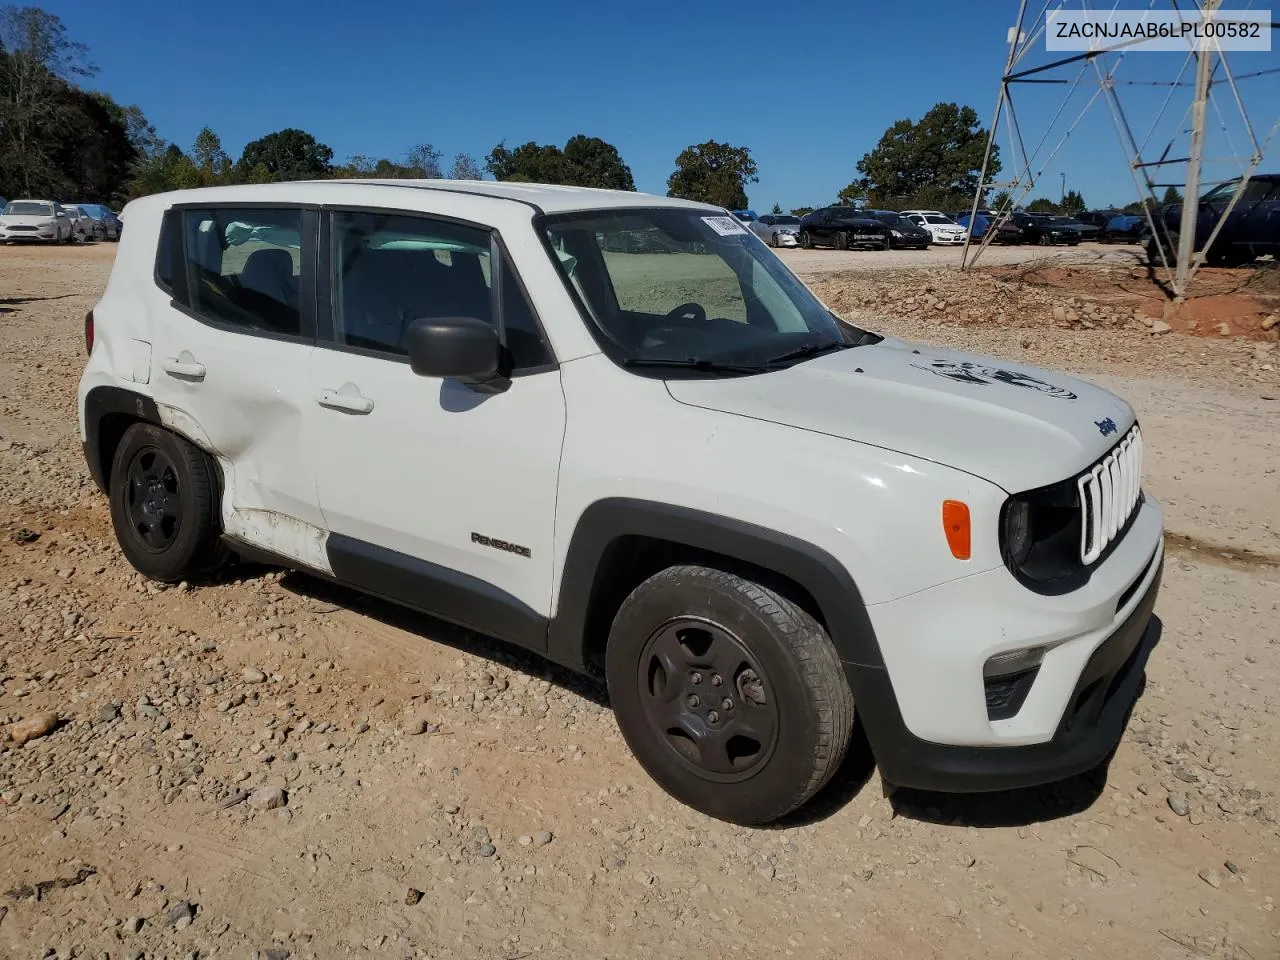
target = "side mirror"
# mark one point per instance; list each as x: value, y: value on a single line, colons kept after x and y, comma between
x: 459, y: 348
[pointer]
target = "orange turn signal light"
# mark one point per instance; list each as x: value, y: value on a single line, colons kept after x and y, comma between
x: 955, y: 524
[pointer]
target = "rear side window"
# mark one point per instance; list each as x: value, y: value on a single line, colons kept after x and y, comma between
x: 391, y: 269
x: 243, y: 267
x: 165, y: 249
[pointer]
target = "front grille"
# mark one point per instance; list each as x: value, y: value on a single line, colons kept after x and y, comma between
x: 23, y: 226
x: 1109, y: 494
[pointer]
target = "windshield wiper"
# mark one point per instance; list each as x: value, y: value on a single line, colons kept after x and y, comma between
x: 694, y: 363
x: 809, y: 350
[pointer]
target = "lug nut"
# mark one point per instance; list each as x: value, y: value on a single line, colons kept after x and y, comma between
x: 713, y: 717
x: 694, y: 700
x: 726, y: 704
x: 715, y: 680
x: 696, y: 679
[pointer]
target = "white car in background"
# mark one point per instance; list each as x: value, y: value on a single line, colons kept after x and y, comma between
x: 35, y: 220
x: 777, y: 229
x: 943, y: 229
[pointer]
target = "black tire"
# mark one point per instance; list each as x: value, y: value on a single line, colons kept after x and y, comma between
x: 773, y: 239
x: 888, y: 243
x: 685, y: 629
x: 164, y: 505
x: 1153, y: 249
x: 806, y: 240
x: 842, y: 240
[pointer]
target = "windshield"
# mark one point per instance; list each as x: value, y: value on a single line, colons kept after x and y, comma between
x: 933, y: 219
x: 29, y: 208
x: 682, y: 285
x: 895, y: 220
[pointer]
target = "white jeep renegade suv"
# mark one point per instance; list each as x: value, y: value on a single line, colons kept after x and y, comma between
x: 615, y: 429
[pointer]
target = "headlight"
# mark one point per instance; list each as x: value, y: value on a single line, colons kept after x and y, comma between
x: 1040, y: 537
x: 896, y: 233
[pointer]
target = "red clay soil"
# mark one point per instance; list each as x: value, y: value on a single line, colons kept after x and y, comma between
x: 1246, y: 299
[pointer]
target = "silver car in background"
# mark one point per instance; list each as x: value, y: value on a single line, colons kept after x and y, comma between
x: 777, y: 229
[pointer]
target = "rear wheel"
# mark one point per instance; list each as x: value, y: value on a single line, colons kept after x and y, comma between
x: 842, y: 241
x: 1171, y: 249
x: 731, y: 697
x: 164, y: 505
x: 806, y: 239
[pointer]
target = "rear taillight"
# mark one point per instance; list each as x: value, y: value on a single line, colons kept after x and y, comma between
x: 88, y: 332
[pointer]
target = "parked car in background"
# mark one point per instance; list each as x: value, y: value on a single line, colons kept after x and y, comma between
x: 941, y: 228
x: 1251, y: 230
x: 42, y: 220
x: 84, y: 227
x: 842, y: 228
x: 904, y: 234
x: 1007, y: 231
x: 111, y: 225
x: 777, y: 229
x: 1116, y: 226
x: 1088, y: 231
x: 746, y: 216
x: 1043, y: 229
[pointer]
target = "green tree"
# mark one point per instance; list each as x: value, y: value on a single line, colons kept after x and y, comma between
x: 584, y: 162
x: 1072, y: 204
x: 465, y: 167
x: 210, y: 159
x: 1171, y: 195
x: 592, y: 162
x: 933, y: 163
x: 1002, y: 201
x: 777, y: 208
x: 288, y: 154
x: 801, y: 211
x: 1042, y: 205
x: 713, y: 172
x: 38, y: 64
x: 423, y: 162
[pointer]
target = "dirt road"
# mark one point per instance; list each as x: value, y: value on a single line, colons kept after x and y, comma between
x: 268, y: 765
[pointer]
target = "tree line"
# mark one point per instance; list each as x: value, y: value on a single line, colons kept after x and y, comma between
x: 62, y: 141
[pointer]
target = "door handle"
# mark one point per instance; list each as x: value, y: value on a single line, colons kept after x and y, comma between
x: 188, y: 369
x: 350, y: 403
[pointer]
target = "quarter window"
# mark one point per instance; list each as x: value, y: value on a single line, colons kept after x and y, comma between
x: 391, y: 269
x: 243, y: 267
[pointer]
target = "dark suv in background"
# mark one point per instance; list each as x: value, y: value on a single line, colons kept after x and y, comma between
x: 842, y: 228
x: 1251, y: 230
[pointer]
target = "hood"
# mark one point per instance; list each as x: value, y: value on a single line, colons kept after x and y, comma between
x: 860, y: 222
x: 1017, y: 426
x: 29, y: 219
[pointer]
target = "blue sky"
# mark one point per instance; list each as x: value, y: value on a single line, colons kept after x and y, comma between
x: 809, y: 87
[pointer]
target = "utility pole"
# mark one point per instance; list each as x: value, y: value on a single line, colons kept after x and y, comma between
x: 1191, y: 197
x: 1062, y: 197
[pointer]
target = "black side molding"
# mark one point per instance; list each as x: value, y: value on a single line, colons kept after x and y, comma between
x: 100, y: 404
x: 607, y: 521
x: 435, y: 590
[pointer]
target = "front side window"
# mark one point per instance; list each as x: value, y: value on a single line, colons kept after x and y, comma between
x: 391, y: 269
x: 243, y: 267
x: 680, y: 287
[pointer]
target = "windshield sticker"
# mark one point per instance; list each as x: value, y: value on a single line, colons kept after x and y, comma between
x: 725, y: 226
x: 966, y: 371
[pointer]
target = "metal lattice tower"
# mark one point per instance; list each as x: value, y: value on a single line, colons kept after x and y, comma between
x: 1100, y: 71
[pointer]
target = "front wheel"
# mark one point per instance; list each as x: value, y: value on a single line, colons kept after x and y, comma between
x: 842, y: 241
x: 1171, y: 249
x: 806, y: 239
x: 164, y: 505
x: 730, y: 696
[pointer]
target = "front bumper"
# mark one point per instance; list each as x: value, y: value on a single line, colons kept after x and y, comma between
x: 948, y: 238
x: 787, y: 240
x: 41, y: 234
x: 1085, y: 737
x: 927, y: 714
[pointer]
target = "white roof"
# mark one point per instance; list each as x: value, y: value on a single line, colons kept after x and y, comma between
x: 550, y: 198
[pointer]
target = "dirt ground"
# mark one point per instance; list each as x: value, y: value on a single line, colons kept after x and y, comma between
x: 267, y: 766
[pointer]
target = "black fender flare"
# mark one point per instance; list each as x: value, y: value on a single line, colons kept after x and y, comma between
x: 604, y: 522
x: 100, y: 403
